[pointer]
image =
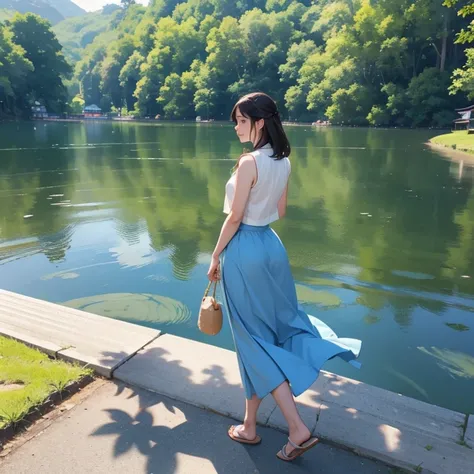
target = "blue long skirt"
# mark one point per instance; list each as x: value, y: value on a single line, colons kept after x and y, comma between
x: 274, y: 338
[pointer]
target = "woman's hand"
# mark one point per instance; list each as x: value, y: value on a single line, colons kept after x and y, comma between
x: 213, y: 274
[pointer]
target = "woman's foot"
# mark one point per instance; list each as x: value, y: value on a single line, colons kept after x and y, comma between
x: 297, y: 449
x: 243, y: 434
x: 246, y: 432
x: 298, y: 437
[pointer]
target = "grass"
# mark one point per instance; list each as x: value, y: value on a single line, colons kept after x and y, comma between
x: 28, y: 377
x: 461, y: 141
x: 463, y: 443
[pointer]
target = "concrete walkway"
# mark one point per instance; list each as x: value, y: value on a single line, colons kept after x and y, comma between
x: 376, y: 423
x: 119, y: 429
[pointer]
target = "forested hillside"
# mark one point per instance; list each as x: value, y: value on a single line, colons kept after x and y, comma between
x: 354, y: 62
x: 386, y: 62
x: 78, y: 32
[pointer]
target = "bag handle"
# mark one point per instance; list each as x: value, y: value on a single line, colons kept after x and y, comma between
x: 206, y: 293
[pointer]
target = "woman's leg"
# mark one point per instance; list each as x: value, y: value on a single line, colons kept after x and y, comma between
x: 249, y: 429
x: 298, y: 431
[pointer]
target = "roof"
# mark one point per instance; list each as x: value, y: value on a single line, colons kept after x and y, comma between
x: 92, y: 108
x: 465, y: 109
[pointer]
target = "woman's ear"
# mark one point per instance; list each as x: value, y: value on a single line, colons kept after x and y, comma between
x: 260, y: 123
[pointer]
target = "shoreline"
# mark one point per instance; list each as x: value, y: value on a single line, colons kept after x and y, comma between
x: 451, y: 153
x: 367, y: 420
x: 456, y: 144
x: 206, y: 122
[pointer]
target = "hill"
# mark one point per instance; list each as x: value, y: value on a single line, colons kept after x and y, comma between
x: 67, y: 8
x: 53, y: 10
x: 76, y: 33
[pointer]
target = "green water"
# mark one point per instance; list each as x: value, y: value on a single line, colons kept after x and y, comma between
x: 379, y: 230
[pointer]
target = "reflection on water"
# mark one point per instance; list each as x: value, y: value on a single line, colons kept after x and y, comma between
x: 307, y: 294
x: 458, y: 327
x: 457, y: 363
x: 122, y: 219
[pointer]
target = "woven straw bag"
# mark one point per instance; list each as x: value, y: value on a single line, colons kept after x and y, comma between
x: 210, y: 314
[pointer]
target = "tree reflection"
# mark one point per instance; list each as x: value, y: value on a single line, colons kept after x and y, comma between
x: 369, y: 204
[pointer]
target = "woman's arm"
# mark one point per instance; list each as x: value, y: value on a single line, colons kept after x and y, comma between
x: 282, y: 203
x: 246, y: 176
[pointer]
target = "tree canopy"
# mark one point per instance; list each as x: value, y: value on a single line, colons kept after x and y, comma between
x: 354, y: 62
x: 32, y: 66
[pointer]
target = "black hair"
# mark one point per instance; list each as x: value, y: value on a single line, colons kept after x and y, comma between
x: 256, y: 106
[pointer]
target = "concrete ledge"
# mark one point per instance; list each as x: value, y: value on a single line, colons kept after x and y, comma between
x: 469, y: 435
x: 370, y: 421
x: 396, y: 443
x: 99, y: 342
x: 392, y: 407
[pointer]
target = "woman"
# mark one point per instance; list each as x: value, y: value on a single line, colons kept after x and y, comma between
x: 280, y: 349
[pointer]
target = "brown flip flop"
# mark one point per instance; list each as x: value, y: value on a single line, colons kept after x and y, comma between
x: 298, y: 450
x: 240, y: 439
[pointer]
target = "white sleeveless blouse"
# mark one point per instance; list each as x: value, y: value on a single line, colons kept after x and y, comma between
x: 272, y: 178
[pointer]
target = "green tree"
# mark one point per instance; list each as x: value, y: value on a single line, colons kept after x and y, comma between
x: 378, y: 115
x: 297, y: 54
x: 396, y: 103
x: 43, y: 50
x: 466, y: 10
x: 14, y: 71
x: 116, y: 58
x: 205, y: 97
x: 88, y: 73
x: 277, y: 5
x: 428, y: 98
x: 175, y: 48
x: 129, y: 77
x: 77, y: 105
x: 177, y: 95
x: 226, y: 49
x: 162, y: 8
x: 295, y: 102
x: 127, y: 3
x: 463, y: 78
x: 350, y: 106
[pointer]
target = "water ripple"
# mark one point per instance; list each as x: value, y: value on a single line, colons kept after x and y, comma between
x: 139, y: 308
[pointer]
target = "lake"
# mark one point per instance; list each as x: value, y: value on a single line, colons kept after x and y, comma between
x: 120, y: 219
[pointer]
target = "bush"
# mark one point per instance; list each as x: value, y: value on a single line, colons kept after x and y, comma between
x: 378, y: 116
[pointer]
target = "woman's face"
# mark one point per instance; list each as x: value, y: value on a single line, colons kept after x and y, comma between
x: 244, y: 130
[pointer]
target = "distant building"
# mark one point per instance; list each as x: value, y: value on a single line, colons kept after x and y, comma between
x: 92, y: 111
x: 466, y: 121
x: 39, y: 111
